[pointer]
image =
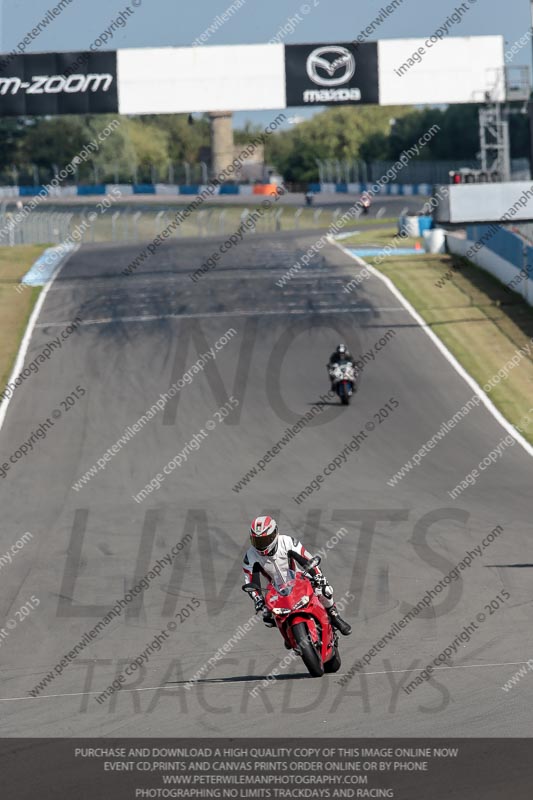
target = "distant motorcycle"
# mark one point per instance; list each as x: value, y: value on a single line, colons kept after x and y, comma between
x: 344, y: 379
x: 365, y: 203
x: 302, y: 620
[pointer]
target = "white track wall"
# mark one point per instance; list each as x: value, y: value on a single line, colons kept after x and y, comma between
x: 485, y: 258
x: 489, y: 202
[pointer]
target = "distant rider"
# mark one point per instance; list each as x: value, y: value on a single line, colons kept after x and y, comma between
x: 272, y: 554
x: 340, y: 354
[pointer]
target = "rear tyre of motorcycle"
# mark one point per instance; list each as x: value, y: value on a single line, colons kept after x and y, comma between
x: 334, y: 663
x: 310, y: 657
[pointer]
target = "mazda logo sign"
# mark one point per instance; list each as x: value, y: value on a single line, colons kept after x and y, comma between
x: 324, y: 63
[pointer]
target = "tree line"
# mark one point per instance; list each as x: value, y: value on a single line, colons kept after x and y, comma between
x: 170, y: 147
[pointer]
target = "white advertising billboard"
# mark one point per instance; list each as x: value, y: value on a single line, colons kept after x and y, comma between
x: 170, y: 80
x: 455, y: 70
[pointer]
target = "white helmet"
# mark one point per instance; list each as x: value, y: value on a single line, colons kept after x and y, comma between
x: 264, y: 535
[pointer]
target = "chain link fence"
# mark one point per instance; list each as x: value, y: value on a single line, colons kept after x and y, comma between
x: 130, y: 225
x: 416, y: 171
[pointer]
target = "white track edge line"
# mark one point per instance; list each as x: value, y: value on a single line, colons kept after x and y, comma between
x: 23, y: 349
x: 169, y: 687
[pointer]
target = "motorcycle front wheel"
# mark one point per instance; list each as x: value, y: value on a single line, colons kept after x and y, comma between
x: 334, y: 664
x: 310, y: 657
x: 344, y: 395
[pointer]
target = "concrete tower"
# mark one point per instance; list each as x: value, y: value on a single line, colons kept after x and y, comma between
x: 222, y: 146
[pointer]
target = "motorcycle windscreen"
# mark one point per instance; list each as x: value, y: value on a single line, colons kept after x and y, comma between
x: 284, y: 586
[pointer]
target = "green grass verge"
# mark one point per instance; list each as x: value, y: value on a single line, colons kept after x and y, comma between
x: 15, y: 307
x: 380, y: 237
x: 479, y: 321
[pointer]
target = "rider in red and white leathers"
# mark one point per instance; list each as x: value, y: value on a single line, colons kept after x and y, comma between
x: 272, y: 554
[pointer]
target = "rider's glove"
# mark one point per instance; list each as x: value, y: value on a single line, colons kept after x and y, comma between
x: 322, y: 582
x: 268, y: 619
x: 259, y: 604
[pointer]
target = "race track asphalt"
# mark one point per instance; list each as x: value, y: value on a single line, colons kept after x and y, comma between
x: 138, y: 335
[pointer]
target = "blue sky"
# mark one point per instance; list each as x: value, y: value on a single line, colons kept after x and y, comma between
x: 174, y: 22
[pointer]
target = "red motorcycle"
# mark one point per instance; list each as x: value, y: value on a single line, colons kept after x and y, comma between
x: 302, y: 620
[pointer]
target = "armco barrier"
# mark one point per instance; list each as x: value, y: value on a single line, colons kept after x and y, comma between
x: 498, y: 251
x: 98, y: 188
x: 31, y: 191
x: 394, y: 189
x: 143, y: 188
x: 388, y: 189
